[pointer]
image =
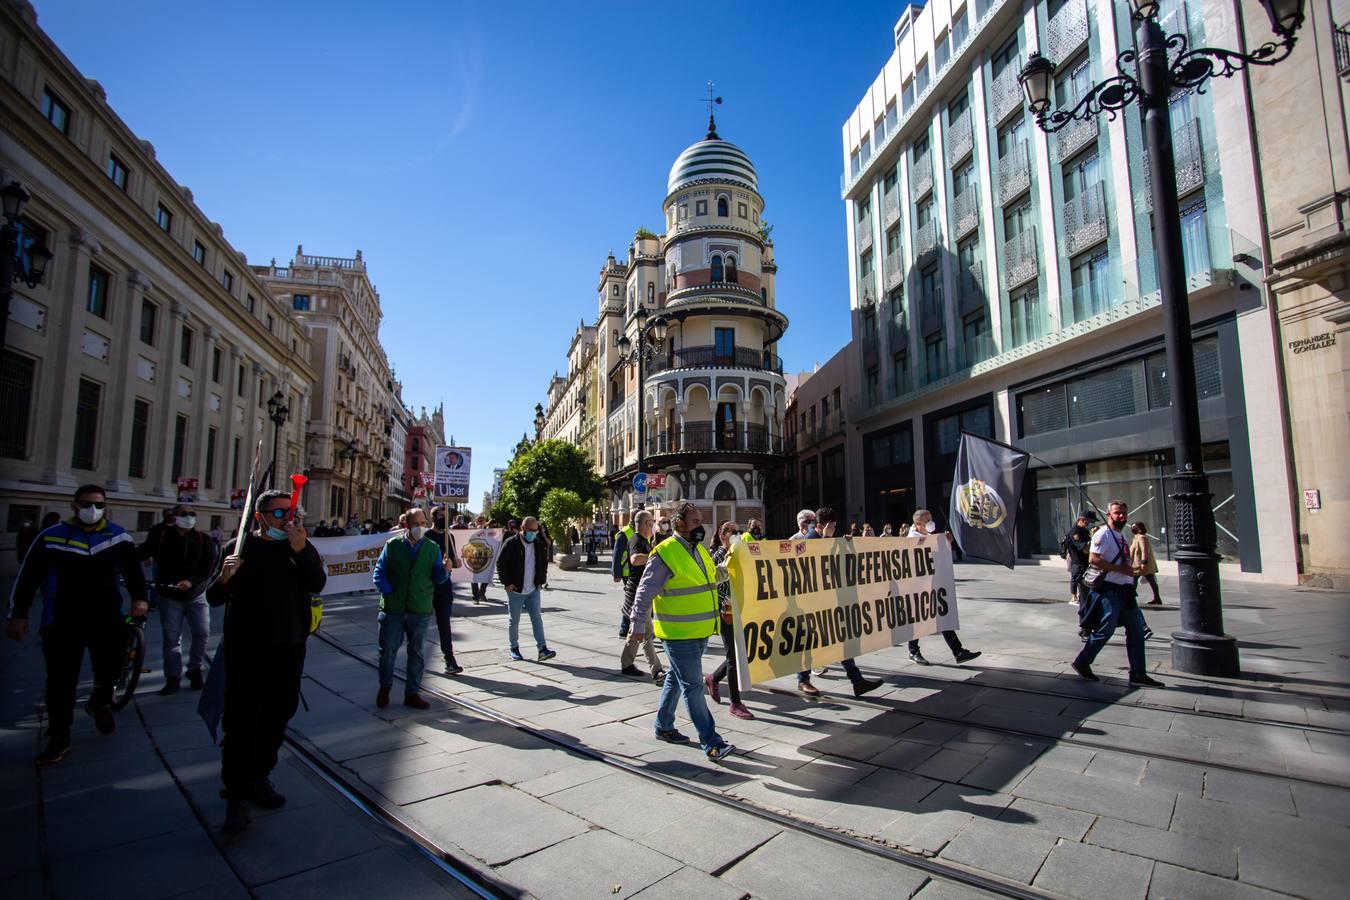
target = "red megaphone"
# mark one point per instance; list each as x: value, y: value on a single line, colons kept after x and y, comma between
x: 299, y: 481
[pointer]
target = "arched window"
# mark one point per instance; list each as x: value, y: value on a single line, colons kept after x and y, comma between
x: 651, y: 293
x: 722, y: 207
x: 731, y: 269
x: 716, y: 267
x: 724, y: 491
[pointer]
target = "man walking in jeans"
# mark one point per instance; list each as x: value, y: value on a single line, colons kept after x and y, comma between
x: 679, y: 591
x: 1110, y: 582
x: 407, y: 572
x: 184, y: 561
x: 522, y: 567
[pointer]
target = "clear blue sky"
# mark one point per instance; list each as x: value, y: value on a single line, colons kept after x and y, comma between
x: 485, y: 157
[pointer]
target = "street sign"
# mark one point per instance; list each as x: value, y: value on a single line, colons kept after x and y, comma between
x: 640, y: 483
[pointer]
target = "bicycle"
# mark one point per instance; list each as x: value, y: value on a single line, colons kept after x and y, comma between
x: 133, y: 662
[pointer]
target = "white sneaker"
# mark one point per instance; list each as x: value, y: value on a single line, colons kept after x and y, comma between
x: 821, y: 671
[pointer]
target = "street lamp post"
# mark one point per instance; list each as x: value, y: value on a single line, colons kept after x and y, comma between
x: 643, y: 352
x: 539, y: 421
x: 349, y: 454
x: 17, y: 263
x: 1200, y: 647
x: 278, y: 412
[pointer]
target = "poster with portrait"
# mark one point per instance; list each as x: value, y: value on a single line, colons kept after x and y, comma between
x: 451, y: 475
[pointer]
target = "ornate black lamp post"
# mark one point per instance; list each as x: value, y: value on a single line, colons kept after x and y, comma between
x: 539, y: 421
x: 17, y: 263
x: 1200, y: 647
x: 278, y: 412
x: 349, y: 454
x: 643, y: 352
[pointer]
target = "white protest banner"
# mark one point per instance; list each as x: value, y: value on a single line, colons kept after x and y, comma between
x: 350, y: 561
x: 801, y: 604
x: 478, y: 549
x: 452, y: 474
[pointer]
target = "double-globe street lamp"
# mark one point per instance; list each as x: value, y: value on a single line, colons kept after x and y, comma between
x: 348, y: 454
x: 278, y: 412
x: 26, y: 264
x: 637, y: 355
x: 1200, y: 647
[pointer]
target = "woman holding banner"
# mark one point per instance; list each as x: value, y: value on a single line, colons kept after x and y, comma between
x: 922, y: 527
x: 727, y: 535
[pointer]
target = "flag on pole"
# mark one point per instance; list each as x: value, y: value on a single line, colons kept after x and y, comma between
x: 986, y: 489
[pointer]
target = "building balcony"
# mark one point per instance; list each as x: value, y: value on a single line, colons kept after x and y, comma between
x: 960, y: 140
x: 867, y: 290
x: 926, y: 239
x: 712, y: 357
x: 965, y: 212
x: 970, y: 283
x: 897, y: 334
x: 1075, y: 136
x: 1067, y: 31
x: 890, y: 206
x: 921, y: 176
x: 1084, y: 220
x: 894, y: 271
x: 1014, y: 174
x: 816, y: 434
x: 1341, y: 39
x: 863, y: 233
x: 1188, y: 153
x: 1021, y: 261
x: 715, y: 437
x: 1005, y: 94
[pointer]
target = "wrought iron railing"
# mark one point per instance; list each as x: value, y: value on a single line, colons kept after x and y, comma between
x: 1188, y: 154
x: 1084, y: 220
x: 960, y: 139
x: 1067, y: 31
x: 926, y: 239
x: 1014, y: 173
x: 1021, y: 261
x: 1075, y: 136
x: 921, y: 175
x: 1005, y: 94
x: 966, y: 212
x: 895, y: 271
x: 714, y: 357
x: 890, y: 206
x: 715, y: 437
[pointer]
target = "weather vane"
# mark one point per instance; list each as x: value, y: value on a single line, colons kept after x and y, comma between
x: 711, y: 100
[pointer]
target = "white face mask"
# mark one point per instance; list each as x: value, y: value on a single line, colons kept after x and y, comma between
x: 930, y: 527
x: 415, y: 533
x: 188, y: 522
x: 90, y: 515
x: 735, y: 539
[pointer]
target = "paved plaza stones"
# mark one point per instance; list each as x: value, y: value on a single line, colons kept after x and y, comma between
x: 1012, y: 769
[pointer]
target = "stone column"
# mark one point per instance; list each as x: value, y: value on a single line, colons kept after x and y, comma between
x: 66, y: 334
x: 200, y: 408
x: 160, y: 465
x: 123, y: 387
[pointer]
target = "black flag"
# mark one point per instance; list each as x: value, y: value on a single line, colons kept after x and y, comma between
x: 985, y: 491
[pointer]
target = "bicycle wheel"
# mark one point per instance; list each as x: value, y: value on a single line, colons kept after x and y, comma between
x: 133, y: 659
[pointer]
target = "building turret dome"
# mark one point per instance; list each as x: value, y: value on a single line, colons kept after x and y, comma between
x: 715, y: 158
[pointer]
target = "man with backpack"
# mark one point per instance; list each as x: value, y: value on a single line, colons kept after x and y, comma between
x: 267, y: 590
x: 1073, y: 547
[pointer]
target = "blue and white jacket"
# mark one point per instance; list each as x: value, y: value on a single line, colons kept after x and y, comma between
x: 78, y: 571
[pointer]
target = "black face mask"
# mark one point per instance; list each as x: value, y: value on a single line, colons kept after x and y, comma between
x: 696, y: 536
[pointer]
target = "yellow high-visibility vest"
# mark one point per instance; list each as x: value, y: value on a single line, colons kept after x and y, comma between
x: 687, y: 606
x: 627, y: 532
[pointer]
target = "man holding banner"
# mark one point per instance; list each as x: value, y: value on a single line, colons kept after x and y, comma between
x: 679, y: 591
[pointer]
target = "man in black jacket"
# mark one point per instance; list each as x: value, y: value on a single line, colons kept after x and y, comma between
x: 1075, y: 547
x: 184, y: 560
x: 78, y: 564
x: 266, y: 591
x: 522, y: 567
x: 443, y: 595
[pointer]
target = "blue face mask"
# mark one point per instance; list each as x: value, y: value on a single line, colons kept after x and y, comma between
x: 530, y: 536
x: 276, y: 534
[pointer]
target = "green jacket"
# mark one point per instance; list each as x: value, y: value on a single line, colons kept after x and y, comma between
x: 406, y: 576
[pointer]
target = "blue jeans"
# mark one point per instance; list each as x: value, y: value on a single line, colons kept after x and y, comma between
x: 393, y: 628
x: 686, y: 677
x: 530, y: 603
x: 1116, y: 606
x: 172, y: 614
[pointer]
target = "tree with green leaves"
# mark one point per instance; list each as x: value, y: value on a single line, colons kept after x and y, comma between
x: 540, y: 468
x: 558, y: 508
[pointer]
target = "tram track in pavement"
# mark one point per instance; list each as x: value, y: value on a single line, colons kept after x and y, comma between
x: 934, y: 868
x: 883, y: 705
x: 1090, y: 698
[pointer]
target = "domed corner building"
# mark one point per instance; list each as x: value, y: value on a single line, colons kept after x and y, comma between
x: 712, y: 398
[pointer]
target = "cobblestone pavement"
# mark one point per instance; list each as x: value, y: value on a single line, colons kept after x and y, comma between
x: 1009, y: 766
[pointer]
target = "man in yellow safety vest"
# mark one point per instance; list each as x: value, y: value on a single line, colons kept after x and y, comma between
x: 679, y: 589
x: 621, y: 570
